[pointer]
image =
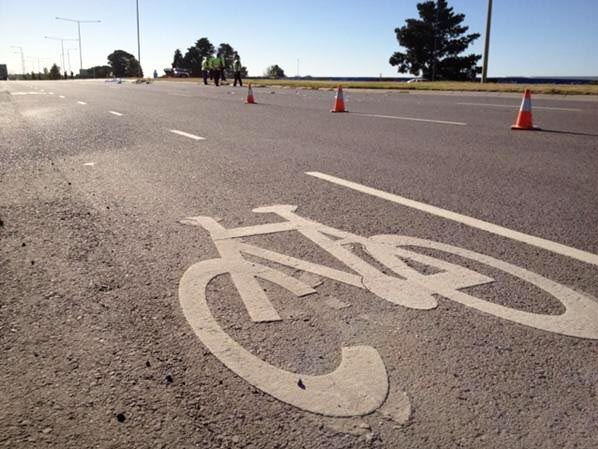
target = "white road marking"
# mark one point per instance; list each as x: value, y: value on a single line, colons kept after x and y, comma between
x: 411, y: 119
x: 549, y: 245
x: 360, y: 383
x: 26, y: 93
x: 115, y: 113
x: 51, y: 93
x: 184, y: 134
x: 515, y: 106
x: 61, y: 96
x: 89, y: 164
x: 81, y: 102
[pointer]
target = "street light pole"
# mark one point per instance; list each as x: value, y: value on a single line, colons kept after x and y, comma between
x: 79, y: 22
x: 62, y: 46
x: 22, y: 58
x: 138, y: 42
x: 487, y: 43
x: 68, y: 56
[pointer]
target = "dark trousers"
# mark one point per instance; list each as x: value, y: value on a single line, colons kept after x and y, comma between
x: 238, y: 78
x: 222, y: 77
x: 205, y: 77
x: 217, y: 77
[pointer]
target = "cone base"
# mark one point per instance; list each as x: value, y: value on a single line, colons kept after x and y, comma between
x: 337, y: 112
x: 525, y: 128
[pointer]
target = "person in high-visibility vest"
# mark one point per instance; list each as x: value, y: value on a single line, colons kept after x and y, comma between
x: 237, y: 66
x: 216, y: 67
x: 206, y: 66
x: 222, y: 67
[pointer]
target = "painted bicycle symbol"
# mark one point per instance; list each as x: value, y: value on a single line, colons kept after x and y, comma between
x: 359, y: 385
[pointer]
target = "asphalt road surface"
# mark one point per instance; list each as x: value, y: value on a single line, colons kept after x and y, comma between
x: 435, y: 286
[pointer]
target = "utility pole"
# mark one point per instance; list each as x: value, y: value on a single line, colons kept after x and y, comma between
x: 62, y: 68
x: 79, y: 22
x: 138, y: 43
x: 68, y: 56
x: 487, y: 43
x: 435, y: 31
x: 22, y: 58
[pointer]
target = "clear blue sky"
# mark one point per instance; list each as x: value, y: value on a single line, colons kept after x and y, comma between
x: 334, y: 38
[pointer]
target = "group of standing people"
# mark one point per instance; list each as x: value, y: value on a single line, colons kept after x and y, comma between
x: 213, y: 67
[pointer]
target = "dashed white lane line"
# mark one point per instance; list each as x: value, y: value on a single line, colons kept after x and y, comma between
x: 190, y: 136
x: 411, y: 119
x: 81, y: 102
x: 115, y: 113
x: 549, y: 245
x: 61, y: 96
x: 89, y: 164
x: 514, y: 107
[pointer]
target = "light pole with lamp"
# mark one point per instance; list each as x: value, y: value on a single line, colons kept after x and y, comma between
x: 68, y: 56
x: 487, y: 43
x: 138, y: 41
x: 61, y: 45
x: 22, y: 57
x: 79, y: 22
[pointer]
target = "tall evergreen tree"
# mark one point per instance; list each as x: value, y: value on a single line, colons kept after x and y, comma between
x: 192, y: 61
x: 178, y: 59
x: 434, y: 43
x: 228, y: 53
x: 205, y: 47
x: 54, y: 72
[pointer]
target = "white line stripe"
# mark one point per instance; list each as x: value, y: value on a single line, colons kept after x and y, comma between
x: 115, y: 113
x: 548, y: 108
x: 81, y: 102
x: 464, y: 219
x: 61, y: 96
x: 411, y: 119
x: 190, y: 136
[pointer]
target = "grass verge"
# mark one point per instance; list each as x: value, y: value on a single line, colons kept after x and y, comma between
x: 559, y: 89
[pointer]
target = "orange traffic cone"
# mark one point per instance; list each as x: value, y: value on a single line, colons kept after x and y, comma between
x: 524, y: 118
x: 250, y: 99
x: 339, y: 100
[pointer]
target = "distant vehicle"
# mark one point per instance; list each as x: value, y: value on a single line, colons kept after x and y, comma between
x: 178, y: 73
x: 3, y: 72
x: 415, y: 80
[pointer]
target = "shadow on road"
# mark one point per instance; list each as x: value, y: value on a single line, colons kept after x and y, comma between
x: 572, y: 133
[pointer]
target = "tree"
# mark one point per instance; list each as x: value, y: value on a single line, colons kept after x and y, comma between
x: 54, y: 72
x: 205, y: 47
x: 434, y: 43
x: 177, y: 61
x: 274, y: 72
x: 124, y: 64
x: 192, y: 61
x: 228, y: 53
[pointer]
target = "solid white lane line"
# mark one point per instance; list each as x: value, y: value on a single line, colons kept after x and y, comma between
x: 515, y: 106
x: 81, y: 102
x: 411, y: 119
x: 115, y: 113
x: 190, y: 136
x: 549, y: 245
